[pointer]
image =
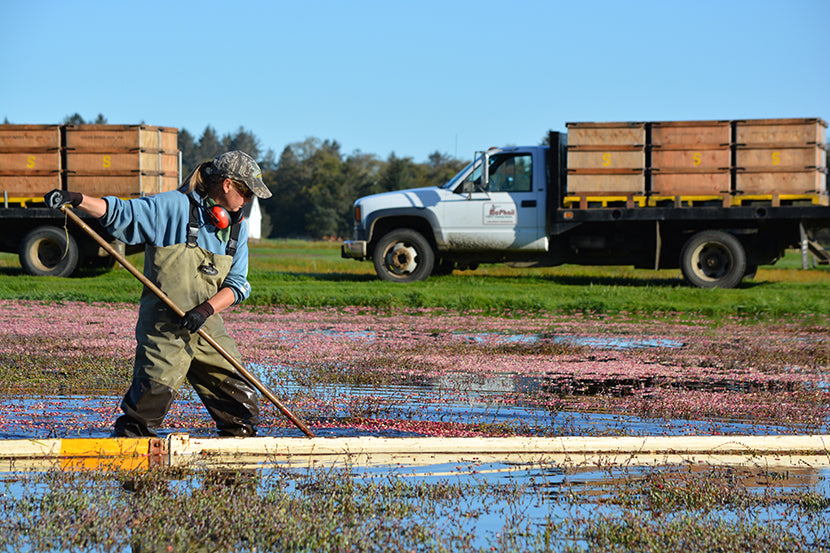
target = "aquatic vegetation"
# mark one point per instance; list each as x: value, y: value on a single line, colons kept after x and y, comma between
x: 548, y: 508
x: 423, y: 371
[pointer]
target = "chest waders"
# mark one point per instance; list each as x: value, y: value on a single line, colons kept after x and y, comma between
x: 166, y: 354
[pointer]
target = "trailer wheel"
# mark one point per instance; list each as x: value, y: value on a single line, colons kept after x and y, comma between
x: 403, y: 255
x: 48, y: 251
x: 713, y: 259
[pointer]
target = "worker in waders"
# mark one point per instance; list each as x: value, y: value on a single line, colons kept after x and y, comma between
x: 196, y: 251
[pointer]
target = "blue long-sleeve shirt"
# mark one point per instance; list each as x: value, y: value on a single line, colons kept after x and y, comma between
x: 161, y: 220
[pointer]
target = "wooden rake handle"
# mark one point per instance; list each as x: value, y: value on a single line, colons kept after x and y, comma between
x: 163, y: 297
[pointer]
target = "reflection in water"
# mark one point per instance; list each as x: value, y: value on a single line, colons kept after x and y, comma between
x: 531, y: 405
x: 595, y: 342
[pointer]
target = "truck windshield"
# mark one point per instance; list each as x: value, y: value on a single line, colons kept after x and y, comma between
x: 455, y: 180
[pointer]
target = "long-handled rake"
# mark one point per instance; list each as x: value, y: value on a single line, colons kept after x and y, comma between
x: 157, y: 291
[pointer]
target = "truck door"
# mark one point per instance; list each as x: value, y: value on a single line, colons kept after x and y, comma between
x: 505, y: 213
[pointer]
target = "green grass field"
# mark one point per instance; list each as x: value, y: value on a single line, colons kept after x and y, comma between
x: 311, y: 274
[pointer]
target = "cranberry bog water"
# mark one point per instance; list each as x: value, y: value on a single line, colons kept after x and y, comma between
x: 592, y: 353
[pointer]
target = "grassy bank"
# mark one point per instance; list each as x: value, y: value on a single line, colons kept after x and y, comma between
x: 312, y: 274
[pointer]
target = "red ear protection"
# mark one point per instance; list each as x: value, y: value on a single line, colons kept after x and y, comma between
x: 219, y: 216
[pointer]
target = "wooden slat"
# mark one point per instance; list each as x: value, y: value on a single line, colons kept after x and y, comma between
x: 27, y: 137
x: 691, y: 133
x: 123, y: 138
x: 606, y: 134
x: 780, y: 131
x: 783, y: 181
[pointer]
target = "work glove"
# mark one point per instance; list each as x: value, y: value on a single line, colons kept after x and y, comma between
x: 196, y: 317
x: 57, y: 198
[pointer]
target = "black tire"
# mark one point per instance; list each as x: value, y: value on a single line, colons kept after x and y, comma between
x: 48, y: 251
x: 713, y: 259
x: 403, y: 255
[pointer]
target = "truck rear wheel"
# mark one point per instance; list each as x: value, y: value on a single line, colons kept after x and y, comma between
x: 48, y: 251
x: 403, y: 255
x: 713, y: 259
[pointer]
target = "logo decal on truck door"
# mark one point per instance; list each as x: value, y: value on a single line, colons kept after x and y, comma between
x: 499, y: 214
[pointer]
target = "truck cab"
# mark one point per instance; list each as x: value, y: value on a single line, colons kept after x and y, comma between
x: 477, y: 215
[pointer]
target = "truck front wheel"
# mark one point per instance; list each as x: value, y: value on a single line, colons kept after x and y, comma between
x: 713, y: 259
x: 48, y: 251
x: 403, y: 255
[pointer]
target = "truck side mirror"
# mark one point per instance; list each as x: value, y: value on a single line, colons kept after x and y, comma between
x: 483, y: 182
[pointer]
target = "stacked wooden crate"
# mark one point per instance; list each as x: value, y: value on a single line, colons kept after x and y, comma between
x: 30, y: 160
x: 121, y: 160
x: 606, y: 163
x: 697, y: 163
x: 690, y: 160
x: 782, y: 158
x: 100, y: 160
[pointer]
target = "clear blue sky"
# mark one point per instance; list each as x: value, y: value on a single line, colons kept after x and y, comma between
x: 411, y: 77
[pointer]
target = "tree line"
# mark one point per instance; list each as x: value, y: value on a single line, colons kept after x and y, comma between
x: 313, y: 182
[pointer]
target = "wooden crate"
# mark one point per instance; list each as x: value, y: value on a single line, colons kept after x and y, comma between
x: 781, y: 182
x: 793, y: 132
x: 29, y: 137
x: 22, y: 163
x: 124, y: 186
x: 690, y: 183
x: 29, y: 186
x: 616, y: 184
x: 606, y: 134
x: 691, y: 133
x: 627, y: 158
x: 776, y: 158
x: 114, y: 162
x: 114, y: 138
x: 709, y: 159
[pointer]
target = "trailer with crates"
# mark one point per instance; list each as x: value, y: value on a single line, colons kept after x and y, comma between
x: 127, y: 161
x: 715, y: 199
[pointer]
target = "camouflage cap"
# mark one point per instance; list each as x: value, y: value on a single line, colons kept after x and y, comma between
x: 240, y: 166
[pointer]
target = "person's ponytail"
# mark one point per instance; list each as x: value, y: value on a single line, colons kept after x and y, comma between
x: 197, y: 179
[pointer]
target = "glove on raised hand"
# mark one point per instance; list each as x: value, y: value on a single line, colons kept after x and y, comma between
x: 57, y: 198
x: 196, y: 317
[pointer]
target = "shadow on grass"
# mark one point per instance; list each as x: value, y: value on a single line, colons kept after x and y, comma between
x: 332, y: 277
x: 632, y: 282
x: 80, y: 273
x: 562, y: 280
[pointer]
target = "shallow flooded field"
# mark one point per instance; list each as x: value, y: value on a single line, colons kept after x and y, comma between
x: 63, y: 368
x: 356, y: 371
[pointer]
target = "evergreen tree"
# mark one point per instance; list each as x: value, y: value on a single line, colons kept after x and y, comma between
x: 74, y: 119
x: 438, y: 169
x: 242, y: 140
x: 398, y: 173
x: 188, y: 148
x: 362, y: 175
x: 209, y: 145
x: 285, y: 207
